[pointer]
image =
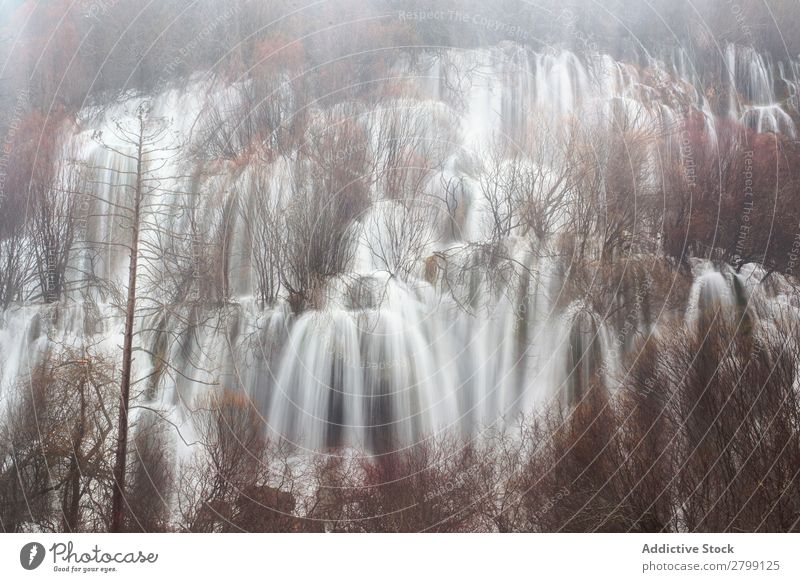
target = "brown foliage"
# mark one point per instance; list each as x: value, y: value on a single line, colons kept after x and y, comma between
x: 56, y: 445
x: 237, y: 481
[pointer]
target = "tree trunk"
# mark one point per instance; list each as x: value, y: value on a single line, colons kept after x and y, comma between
x: 118, y: 498
x: 70, y: 502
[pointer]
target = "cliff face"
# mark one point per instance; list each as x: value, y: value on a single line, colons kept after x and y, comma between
x: 476, y: 237
x: 399, y: 265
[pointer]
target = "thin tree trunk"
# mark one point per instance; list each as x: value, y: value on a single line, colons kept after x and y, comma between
x: 118, y: 498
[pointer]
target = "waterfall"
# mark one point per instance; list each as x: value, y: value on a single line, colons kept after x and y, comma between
x: 416, y: 337
x: 753, y: 93
x: 721, y: 295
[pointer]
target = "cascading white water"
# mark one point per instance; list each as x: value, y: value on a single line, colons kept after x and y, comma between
x: 720, y: 295
x: 753, y: 95
x: 400, y: 349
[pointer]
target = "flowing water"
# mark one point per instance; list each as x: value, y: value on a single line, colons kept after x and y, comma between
x: 417, y: 336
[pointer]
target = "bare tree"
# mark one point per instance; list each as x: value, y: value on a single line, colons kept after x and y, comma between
x: 329, y: 192
x: 236, y: 481
x: 431, y: 487
x: 144, y: 144
x: 54, y: 199
x: 399, y: 234
x: 57, y: 471
x: 618, y: 178
x: 149, y: 496
x: 528, y: 185
x: 16, y: 263
x: 264, y: 222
